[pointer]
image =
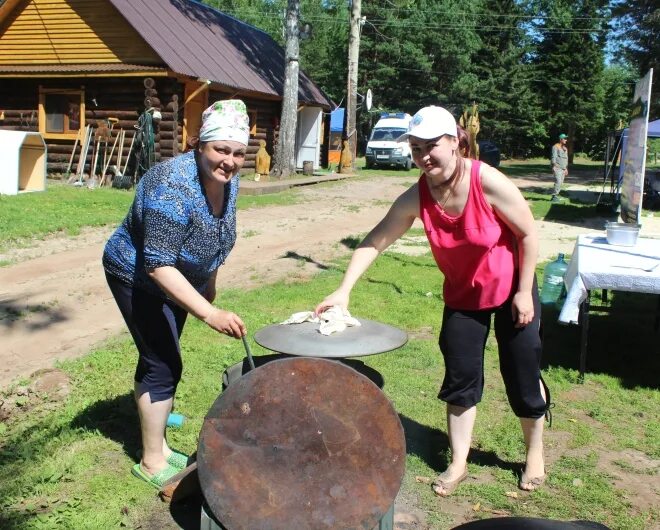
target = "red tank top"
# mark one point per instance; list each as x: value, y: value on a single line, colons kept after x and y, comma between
x: 475, y: 250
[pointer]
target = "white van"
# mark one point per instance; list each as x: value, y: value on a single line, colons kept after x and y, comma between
x: 382, y: 148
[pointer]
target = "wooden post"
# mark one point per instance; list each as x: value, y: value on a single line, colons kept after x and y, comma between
x: 285, y: 162
x: 197, y: 91
x: 73, y: 152
x: 350, y: 131
x: 107, y: 162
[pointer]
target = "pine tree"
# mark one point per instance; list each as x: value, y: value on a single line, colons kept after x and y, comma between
x: 637, y: 32
x: 617, y: 91
x: 267, y: 15
x: 569, y: 63
x: 413, y: 54
x: 324, y: 55
x: 509, y: 106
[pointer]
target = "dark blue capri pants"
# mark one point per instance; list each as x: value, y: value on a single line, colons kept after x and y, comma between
x: 462, y: 342
x: 156, y: 325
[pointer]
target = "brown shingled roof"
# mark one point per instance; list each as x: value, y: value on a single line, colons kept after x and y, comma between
x: 197, y: 40
x: 76, y: 68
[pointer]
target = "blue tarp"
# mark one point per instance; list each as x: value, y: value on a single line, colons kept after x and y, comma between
x: 654, y: 129
x: 653, y: 132
x: 337, y: 120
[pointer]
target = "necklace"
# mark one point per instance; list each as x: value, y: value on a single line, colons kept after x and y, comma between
x: 447, y: 194
x: 449, y: 186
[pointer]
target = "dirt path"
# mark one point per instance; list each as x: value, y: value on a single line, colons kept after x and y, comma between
x: 54, y: 304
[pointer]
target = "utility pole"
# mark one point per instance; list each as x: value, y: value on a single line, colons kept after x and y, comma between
x: 350, y: 131
x: 284, y: 163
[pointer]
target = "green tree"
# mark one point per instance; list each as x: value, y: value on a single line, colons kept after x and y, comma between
x: 636, y: 27
x: 324, y: 55
x: 509, y: 104
x: 267, y: 15
x: 616, y: 97
x: 569, y: 66
x: 411, y: 55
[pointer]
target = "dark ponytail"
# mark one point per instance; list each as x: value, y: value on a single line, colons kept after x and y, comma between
x: 463, y: 142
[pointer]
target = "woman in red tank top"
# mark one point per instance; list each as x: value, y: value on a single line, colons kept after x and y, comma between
x: 483, y: 238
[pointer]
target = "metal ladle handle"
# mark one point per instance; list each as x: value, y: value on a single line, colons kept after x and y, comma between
x: 248, y: 351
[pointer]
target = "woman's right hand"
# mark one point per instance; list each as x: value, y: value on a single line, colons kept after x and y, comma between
x: 226, y: 322
x: 339, y: 298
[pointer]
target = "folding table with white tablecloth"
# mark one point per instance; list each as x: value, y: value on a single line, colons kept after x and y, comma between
x: 595, y: 264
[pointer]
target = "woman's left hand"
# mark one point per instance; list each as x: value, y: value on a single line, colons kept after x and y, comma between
x: 522, y: 309
x: 226, y: 322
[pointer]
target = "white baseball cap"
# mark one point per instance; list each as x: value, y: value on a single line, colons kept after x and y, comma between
x: 430, y: 122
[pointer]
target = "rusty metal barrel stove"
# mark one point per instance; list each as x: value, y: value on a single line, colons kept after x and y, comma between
x: 301, y: 443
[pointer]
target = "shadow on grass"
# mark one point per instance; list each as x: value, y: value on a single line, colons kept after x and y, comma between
x: 623, y: 342
x: 432, y: 446
x: 350, y: 242
x: 15, y: 314
x: 299, y: 257
x: 407, y: 261
x: 116, y: 419
x: 578, y: 207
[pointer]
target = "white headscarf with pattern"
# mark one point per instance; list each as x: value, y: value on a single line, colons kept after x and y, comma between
x: 225, y: 120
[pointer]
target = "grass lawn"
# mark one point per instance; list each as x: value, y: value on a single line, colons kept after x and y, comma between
x: 65, y: 462
x: 61, y: 208
x: 520, y: 168
x: 67, y: 209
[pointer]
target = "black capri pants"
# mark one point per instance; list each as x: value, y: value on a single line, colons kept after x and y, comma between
x: 462, y: 343
x: 155, y: 325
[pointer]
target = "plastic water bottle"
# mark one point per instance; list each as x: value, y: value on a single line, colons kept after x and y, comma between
x: 553, y: 280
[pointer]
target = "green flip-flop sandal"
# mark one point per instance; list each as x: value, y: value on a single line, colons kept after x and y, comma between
x: 178, y: 460
x: 159, y: 479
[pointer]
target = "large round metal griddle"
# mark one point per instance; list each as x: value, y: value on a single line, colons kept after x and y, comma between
x: 306, y: 341
x: 301, y: 443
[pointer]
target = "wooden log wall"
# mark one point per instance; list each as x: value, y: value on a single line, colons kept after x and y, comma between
x: 121, y: 98
x: 124, y: 99
x: 19, y: 103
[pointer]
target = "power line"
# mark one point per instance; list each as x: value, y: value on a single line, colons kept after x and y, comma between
x: 489, y: 15
x: 382, y: 23
x: 445, y: 13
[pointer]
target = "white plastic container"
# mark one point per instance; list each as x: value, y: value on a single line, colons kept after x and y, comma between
x: 622, y: 234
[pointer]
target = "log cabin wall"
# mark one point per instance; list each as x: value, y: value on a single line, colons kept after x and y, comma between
x: 125, y: 98
x: 166, y: 95
x: 88, y: 47
x: 19, y: 105
x: 122, y: 98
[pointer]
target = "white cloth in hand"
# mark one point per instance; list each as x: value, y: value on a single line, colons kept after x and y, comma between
x: 335, y: 320
x: 302, y: 316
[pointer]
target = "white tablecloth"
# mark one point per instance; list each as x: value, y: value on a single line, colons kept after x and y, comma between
x: 595, y: 264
